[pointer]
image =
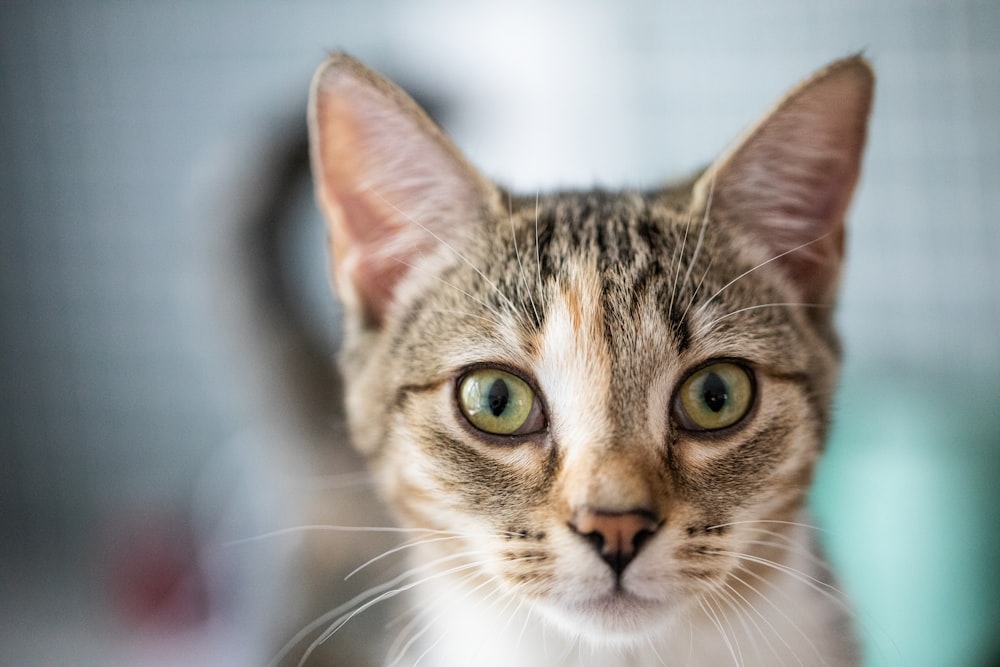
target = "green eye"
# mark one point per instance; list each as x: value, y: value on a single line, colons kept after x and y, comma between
x: 500, y: 403
x: 714, y: 397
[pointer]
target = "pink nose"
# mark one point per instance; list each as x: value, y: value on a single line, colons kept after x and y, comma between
x: 617, y: 536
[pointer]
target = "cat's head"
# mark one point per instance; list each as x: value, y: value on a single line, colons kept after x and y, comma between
x: 609, y: 396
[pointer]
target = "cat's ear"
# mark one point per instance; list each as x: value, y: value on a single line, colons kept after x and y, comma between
x: 392, y: 186
x: 789, y: 181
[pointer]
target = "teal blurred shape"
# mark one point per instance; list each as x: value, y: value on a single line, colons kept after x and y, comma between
x: 908, y: 498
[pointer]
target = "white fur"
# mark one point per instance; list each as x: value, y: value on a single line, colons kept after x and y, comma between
x: 789, y: 624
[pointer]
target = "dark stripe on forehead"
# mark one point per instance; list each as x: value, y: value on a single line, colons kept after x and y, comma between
x: 669, y: 292
x: 633, y: 248
x: 579, y: 224
x: 615, y: 244
x: 682, y: 335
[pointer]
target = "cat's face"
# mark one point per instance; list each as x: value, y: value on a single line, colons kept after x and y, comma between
x: 613, y: 402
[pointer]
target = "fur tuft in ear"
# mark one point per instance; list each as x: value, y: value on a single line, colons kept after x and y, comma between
x: 789, y: 181
x: 392, y: 186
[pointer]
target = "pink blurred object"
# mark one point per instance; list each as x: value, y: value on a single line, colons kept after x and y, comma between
x: 154, y: 578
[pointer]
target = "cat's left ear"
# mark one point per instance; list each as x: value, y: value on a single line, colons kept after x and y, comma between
x: 789, y: 181
x: 393, y: 187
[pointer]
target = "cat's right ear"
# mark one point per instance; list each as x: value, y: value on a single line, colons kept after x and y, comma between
x: 392, y: 186
x: 789, y: 181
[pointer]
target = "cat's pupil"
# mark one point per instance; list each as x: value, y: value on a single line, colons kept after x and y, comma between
x: 714, y: 392
x: 498, y: 397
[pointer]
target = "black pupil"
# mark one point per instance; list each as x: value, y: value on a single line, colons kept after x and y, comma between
x: 498, y: 396
x: 714, y: 393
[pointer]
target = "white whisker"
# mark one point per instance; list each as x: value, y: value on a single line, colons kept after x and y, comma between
x: 781, y: 612
x: 513, y: 613
x: 446, y: 245
x: 520, y: 266
x: 652, y: 647
x: 538, y: 256
x: 828, y: 590
x: 416, y: 637
x: 396, y: 653
x: 761, y: 265
x: 340, y: 609
x: 497, y: 589
x: 291, y: 530
x: 729, y: 595
x: 472, y: 659
x: 718, y: 625
x: 725, y: 617
x: 346, y: 617
x: 524, y: 628
x: 690, y: 637
x: 406, y: 545
x: 458, y: 289
x: 774, y: 521
x: 697, y: 290
x: 676, y: 263
x: 701, y: 236
x: 464, y: 313
x: 791, y: 546
x: 711, y: 324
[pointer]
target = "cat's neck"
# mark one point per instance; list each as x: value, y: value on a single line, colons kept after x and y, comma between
x: 783, y: 616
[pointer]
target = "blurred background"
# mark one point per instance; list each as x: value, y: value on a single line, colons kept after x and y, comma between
x: 151, y: 160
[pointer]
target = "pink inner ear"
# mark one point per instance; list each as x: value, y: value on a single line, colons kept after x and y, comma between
x: 369, y: 275
x: 790, y: 182
x: 392, y: 186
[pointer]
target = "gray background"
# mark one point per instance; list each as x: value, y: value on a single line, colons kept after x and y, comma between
x: 135, y: 137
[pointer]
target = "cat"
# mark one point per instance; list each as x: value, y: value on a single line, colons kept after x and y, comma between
x: 598, y: 412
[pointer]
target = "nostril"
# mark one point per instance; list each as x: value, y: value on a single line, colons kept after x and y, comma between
x: 640, y: 539
x: 616, y: 536
x: 595, y: 539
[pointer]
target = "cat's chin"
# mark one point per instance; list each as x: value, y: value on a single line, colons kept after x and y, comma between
x: 617, y: 618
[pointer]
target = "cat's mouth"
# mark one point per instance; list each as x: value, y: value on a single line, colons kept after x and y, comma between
x: 618, y: 614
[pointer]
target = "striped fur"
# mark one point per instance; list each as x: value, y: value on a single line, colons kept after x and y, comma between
x: 604, y: 302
